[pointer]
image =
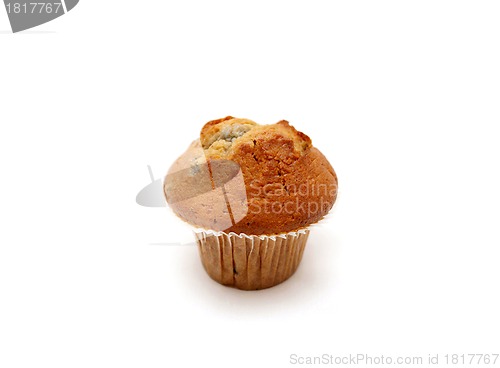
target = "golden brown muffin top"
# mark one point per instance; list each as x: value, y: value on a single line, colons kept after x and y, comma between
x: 255, y: 179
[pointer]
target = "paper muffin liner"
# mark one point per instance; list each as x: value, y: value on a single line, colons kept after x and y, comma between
x: 250, y: 262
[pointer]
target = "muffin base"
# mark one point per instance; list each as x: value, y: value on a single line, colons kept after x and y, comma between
x: 251, y: 262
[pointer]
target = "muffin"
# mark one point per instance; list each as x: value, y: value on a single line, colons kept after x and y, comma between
x: 251, y: 191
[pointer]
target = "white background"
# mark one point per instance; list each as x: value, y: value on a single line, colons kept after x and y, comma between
x: 402, y: 97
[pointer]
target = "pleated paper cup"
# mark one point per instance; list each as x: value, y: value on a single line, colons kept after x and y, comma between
x: 251, y: 262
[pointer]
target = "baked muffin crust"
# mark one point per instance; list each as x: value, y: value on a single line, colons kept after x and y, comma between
x: 255, y: 179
